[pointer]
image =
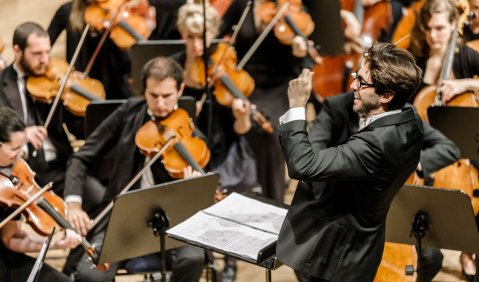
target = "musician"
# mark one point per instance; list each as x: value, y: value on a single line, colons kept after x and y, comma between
x: 232, y: 157
x: 471, y: 31
x: 47, y: 151
x: 14, y: 264
x: 112, y: 66
x: 336, y: 233
x: 163, y: 85
x: 337, y: 122
x: 272, y: 65
x: 429, y: 42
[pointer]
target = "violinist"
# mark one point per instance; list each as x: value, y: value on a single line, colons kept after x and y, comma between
x: 232, y: 157
x: 47, y: 151
x: 163, y: 85
x: 112, y: 66
x: 14, y: 264
x: 272, y: 66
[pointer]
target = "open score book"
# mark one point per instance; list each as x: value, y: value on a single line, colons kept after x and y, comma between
x: 238, y: 225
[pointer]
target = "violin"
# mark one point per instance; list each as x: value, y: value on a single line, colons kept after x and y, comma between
x: 187, y: 150
x: 229, y: 84
x: 78, y: 93
x: 296, y: 20
x: 128, y: 21
x: 44, y: 214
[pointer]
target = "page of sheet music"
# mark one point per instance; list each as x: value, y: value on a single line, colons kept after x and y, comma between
x: 249, y: 212
x: 223, y: 235
x: 237, y: 224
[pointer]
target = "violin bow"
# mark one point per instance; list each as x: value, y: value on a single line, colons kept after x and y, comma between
x: 262, y: 36
x: 26, y: 204
x: 155, y: 157
x: 66, y: 76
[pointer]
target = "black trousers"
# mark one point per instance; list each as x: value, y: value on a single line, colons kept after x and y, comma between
x: 21, y: 272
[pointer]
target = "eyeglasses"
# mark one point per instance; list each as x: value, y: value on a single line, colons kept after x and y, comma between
x: 359, y: 83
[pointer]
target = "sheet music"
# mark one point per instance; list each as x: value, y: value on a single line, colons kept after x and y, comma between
x: 237, y: 224
x: 249, y: 212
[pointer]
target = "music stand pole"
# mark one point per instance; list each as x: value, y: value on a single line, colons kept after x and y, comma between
x: 419, y: 229
x: 160, y: 223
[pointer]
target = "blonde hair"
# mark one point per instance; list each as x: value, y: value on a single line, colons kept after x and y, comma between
x: 76, y: 15
x: 190, y: 18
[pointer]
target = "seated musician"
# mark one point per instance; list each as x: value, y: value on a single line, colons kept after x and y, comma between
x: 14, y: 264
x: 429, y: 43
x: 471, y: 31
x: 48, y: 150
x: 232, y: 157
x: 163, y: 85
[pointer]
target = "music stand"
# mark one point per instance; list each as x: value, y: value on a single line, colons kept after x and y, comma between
x: 128, y: 233
x: 458, y: 124
x: 431, y: 217
x: 328, y: 32
x: 33, y: 277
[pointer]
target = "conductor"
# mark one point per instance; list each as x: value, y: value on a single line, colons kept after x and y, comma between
x: 335, y: 231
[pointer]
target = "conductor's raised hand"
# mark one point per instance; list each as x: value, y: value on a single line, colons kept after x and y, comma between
x: 299, y: 89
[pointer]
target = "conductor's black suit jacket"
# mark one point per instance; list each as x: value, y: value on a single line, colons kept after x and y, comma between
x: 336, y: 231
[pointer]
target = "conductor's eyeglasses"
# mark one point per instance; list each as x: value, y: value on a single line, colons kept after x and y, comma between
x: 360, y: 84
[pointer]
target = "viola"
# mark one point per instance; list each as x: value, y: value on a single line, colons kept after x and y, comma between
x: 128, y: 21
x: 78, y: 93
x: 296, y: 20
x: 230, y: 82
x: 187, y: 150
x: 44, y: 214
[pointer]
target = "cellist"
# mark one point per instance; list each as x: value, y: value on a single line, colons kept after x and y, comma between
x: 429, y: 42
x: 163, y: 85
x: 14, y: 264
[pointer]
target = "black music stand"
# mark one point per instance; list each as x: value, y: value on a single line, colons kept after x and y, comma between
x: 425, y: 216
x: 129, y: 232
x: 460, y: 125
x: 33, y: 277
x: 328, y: 32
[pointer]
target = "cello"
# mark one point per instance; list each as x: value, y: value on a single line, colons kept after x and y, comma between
x: 333, y: 75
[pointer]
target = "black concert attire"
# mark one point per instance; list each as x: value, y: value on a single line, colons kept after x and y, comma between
x: 336, y: 232
x: 118, y: 132
x: 166, y: 18
x: 49, y: 162
x: 337, y: 122
x: 272, y: 66
x: 112, y: 66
